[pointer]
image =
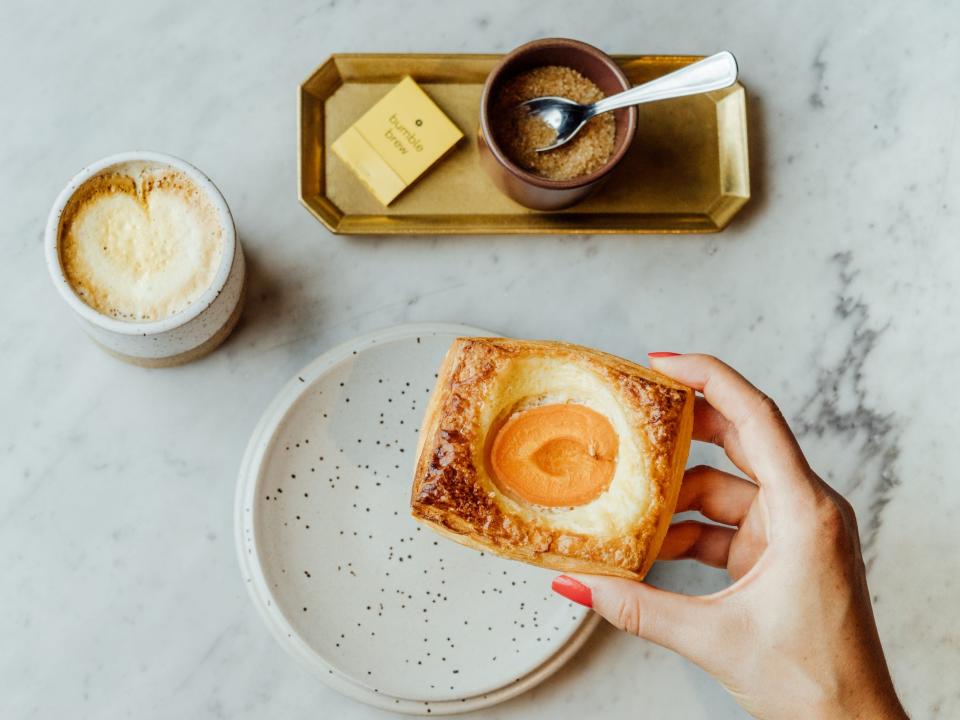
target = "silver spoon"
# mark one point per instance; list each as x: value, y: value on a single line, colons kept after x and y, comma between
x: 566, y: 117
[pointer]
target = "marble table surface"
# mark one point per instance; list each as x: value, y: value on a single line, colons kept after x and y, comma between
x: 835, y: 290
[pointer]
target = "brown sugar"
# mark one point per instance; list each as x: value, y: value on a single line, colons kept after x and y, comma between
x: 519, y: 134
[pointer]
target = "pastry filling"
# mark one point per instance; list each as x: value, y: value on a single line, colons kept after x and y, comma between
x: 559, y: 455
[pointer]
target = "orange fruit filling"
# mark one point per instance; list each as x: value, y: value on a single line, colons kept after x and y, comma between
x: 559, y: 455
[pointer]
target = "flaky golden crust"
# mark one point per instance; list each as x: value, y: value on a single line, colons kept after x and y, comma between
x: 448, y: 493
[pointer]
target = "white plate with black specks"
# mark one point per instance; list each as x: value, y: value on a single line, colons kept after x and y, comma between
x: 383, y: 610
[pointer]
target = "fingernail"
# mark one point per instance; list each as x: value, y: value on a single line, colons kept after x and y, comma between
x: 662, y: 354
x: 573, y: 590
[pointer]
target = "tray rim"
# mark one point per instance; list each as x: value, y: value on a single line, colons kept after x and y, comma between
x: 526, y: 223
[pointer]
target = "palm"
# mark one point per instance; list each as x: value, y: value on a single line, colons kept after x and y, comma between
x: 748, y: 543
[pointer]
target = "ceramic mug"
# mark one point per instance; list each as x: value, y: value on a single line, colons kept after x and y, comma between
x: 525, y: 187
x: 185, y: 335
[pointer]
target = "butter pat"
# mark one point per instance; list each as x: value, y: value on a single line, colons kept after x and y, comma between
x: 397, y: 140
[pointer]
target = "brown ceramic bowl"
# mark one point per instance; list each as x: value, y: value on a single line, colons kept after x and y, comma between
x: 523, y: 186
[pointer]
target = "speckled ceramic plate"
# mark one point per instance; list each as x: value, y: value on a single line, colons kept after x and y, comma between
x: 383, y: 610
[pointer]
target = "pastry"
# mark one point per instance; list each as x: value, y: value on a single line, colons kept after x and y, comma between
x: 553, y: 454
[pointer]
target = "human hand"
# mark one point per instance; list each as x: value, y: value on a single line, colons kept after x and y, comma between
x: 794, y: 635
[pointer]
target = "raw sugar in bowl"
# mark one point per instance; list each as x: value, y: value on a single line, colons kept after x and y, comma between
x: 142, y: 247
x: 507, y: 138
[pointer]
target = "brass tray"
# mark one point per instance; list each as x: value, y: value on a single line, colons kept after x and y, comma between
x: 686, y: 172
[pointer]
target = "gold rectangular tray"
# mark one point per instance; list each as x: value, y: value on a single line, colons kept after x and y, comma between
x: 685, y: 173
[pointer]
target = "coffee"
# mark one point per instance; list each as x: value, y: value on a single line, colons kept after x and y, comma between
x: 140, y: 241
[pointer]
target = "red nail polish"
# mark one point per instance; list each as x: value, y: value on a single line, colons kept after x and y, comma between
x: 662, y: 354
x: 573, y: 590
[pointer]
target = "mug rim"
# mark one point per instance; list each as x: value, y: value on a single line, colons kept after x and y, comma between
x: 531, y: 178
x: 151, y: 327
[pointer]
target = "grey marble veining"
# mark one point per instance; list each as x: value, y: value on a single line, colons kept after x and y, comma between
x: 839, y: 407
x: 835, y: 290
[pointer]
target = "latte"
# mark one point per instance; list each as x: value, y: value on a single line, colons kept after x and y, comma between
x: 140, y: 242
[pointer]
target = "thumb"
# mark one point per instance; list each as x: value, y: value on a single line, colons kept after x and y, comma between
x: 682, y: 623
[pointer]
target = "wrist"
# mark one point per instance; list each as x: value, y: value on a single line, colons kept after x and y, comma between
x: 873, y: 705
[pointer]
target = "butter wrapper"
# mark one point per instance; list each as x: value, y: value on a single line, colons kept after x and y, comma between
x: 397, y: 140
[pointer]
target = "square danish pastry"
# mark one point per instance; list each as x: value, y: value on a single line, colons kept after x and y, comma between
x: 553, y: 454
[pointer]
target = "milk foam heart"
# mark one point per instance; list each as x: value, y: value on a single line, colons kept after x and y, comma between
x: 140, y: 242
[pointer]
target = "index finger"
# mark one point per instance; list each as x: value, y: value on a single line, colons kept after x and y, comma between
x: 765, y: 438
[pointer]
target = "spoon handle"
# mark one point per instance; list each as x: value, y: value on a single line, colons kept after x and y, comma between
x: 712, y: 73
